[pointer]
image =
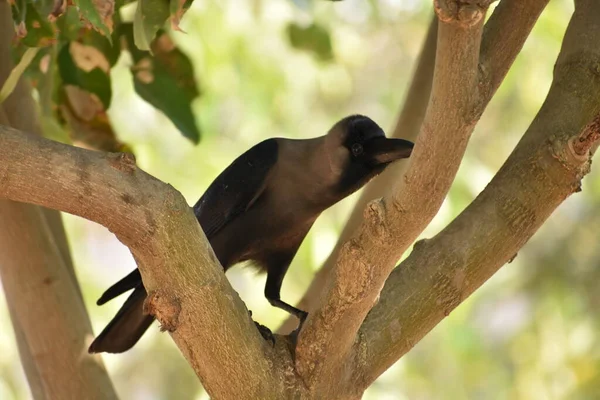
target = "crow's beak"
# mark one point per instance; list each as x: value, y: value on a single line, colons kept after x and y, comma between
x: 381, y: 150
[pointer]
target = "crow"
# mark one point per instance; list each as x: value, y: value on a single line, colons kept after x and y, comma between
x: 260, y: 208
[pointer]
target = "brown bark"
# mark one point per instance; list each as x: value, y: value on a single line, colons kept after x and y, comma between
x: 56, y: 330
x: 543, y: 170
x: 188, y: 291
x: 503, y: 37
x: 407, y: 127
x: 44, y: 299
x: 392, y: 223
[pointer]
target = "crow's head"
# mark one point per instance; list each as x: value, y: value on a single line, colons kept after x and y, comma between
x: 358, y: 151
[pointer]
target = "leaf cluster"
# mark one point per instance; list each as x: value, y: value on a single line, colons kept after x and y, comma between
x: 79, y: 42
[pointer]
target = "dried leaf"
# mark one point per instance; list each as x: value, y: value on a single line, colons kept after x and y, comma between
x: 177, y: 8
x: 58, y: 9
x: 106, y: 9
x: 87, y: 58
x: 89, y: 125
x: 98, y: 13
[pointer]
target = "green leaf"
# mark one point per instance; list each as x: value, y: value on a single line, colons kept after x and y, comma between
x: 313, y: 38
x: 99, y: 14
x: 110, y: 51
x: 53, y: 9
x: 95, y: 81
x: 18, y: 10
x: 126, y: 31
x: 33, y: 30
x: 150, y: 16
x: 162, y: 91
x: 70, y: 29
x: 47, y: 7
x: 17, y: 71
x: 166, y: 80
x: 69, y: 24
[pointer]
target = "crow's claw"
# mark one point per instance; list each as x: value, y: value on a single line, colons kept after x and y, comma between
x: 265, y: 332
x: 294, y: 335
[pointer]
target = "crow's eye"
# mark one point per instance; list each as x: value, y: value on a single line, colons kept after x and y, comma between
x: 357, y: 149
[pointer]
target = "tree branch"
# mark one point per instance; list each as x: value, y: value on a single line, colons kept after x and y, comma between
x: 544, y: 169
x: 503, y: 38
x: 407, y: 127
x: 56, y: 329
x: 392, y: 223
x: 188, y: 291
x: 34, y: 379
x: 35, y: 257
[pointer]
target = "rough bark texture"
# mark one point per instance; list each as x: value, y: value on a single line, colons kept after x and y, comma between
x: 392, y: 223
x: 543, y: 170
x: 407, y: 127
x: 188, y: 291
x: 46, y: 307
x: 503, y: 38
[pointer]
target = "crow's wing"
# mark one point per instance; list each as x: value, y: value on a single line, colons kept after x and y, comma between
x: 236, y: 188
x: 232, y: 193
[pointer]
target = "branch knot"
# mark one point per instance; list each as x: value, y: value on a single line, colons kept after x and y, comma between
x: 375, y: 216
x: 165, y: 308
x: 582, y: 144
x: 465, y: 13
x: 124, y: 162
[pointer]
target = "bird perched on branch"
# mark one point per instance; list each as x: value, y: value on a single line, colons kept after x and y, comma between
x: 261, y: 207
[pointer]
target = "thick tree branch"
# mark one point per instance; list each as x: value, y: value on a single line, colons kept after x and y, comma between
x: 188, y: 291
x: 503, y: 38
x: 543, y: 170
x: 52, y: 324
x: 407, y: 127
x: 34, y: 379
x: 392, y: 223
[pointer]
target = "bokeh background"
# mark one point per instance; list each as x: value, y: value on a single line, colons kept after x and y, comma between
x: 531, y: 332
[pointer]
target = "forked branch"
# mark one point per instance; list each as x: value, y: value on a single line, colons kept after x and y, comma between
x: 326, y: 342
x: 544, y: 169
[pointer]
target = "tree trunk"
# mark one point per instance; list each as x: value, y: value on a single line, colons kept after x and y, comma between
x: 46, y: 307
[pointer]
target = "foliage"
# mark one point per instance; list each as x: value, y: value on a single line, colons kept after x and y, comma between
x: 81, y: 43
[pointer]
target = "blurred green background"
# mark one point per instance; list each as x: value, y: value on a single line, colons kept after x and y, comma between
x: 531, y: 332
